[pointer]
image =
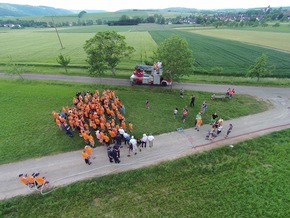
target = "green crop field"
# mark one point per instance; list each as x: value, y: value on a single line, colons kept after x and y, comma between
x: 29, y: 129
x: 234, y: 57
x: 275, y: 40
x: 41, y: 47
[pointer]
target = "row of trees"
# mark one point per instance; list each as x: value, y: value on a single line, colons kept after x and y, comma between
x: 206, y: 18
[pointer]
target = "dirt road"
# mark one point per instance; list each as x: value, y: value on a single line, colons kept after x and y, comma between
x: 63, y: 169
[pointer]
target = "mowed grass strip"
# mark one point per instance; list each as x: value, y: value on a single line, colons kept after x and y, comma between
x: 249, y: 180
x: 275, y: 40
x: 28, y: 128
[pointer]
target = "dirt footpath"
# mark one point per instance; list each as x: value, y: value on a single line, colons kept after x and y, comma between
x: 66, y: 168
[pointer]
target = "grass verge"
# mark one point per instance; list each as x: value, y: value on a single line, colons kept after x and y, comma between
x: 249, y: 180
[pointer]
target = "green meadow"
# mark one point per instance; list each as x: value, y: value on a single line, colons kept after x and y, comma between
x: 29, y: 129
x: 249, y: 180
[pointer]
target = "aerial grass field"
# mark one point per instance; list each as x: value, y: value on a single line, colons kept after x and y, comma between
x: 249, y: 180
x: 29, y: 129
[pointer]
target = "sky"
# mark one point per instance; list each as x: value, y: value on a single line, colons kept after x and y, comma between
x: 114, y: 5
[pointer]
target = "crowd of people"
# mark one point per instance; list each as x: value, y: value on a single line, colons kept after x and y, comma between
x: 100, y: 116
x: 93, y: 116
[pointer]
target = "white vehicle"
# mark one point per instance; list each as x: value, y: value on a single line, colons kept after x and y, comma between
x: 146, y: 74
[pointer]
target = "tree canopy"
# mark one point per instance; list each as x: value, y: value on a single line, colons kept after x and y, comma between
x: 176, y: 57
x: 106, y: 49
x: 260, y: 69
x: 63, y: 61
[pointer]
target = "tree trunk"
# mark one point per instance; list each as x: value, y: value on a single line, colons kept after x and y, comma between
x: 114, y: 71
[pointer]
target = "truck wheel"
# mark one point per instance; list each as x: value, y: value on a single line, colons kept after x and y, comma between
x: 164, y: 83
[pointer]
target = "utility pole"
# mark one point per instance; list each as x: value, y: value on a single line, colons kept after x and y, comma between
x: 57, y: 33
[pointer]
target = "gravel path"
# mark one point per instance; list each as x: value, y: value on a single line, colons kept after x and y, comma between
x: 66, y: 168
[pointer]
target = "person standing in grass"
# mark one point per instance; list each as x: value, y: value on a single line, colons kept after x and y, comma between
x: 130, y: 127
x: 184, y: 114
x: 214, y: 116
x: 123, y: 109
x: 175, y: 112
x: 181, y: 93
x: 192, y: 100
x: 147, y: 104
x: 203, y: 107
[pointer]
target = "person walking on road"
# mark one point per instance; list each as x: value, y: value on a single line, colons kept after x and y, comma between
x: 229, y: 130
x: 86, y: 157
x: 150, y: 140
x: 144, y: 141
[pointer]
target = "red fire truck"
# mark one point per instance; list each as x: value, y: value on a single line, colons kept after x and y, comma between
x: 146, y: 74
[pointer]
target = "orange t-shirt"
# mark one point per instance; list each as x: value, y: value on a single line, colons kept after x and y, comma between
x: 40, y: 180
x: 123, y: 124
x: 106, y: 138
x: 85, y: 155
x: 23, y: 180
x: 30, y: 179
x: 88, y: 149
x: 130, y: 126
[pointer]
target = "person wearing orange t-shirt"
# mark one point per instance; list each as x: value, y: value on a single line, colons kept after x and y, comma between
x: 23, y: 179
x: 40, y: 180
x: 107, y: 139
x: 86, y: 157
x: 88, y: 149
x: 91, y: 140
x: 130, y: 127
x: 31, y: 180
x: 123, y: 124
x: 102, y: 135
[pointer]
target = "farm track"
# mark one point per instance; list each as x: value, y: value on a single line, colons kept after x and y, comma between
x: 66, y: 168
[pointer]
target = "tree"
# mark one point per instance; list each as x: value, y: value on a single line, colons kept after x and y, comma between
x: 177, y: 58
x: 106, y: 49
x: 63, y: 61
x: 14, y: 69
x: 80, y: 15
x: 260, y: 69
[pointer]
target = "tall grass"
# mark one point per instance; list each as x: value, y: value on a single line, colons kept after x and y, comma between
x: 28, y: 128
x: 249, y: 180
